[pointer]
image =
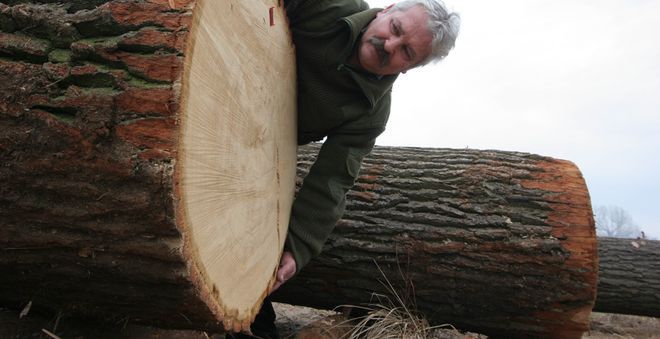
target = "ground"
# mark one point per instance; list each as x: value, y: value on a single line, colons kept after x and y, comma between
x: 607, y: 325
x: 293, y: 322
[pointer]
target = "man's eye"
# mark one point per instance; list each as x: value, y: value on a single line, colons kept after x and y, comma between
x: 395, y: 30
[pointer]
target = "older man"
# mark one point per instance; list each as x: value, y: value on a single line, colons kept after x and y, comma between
x: 348, y: 57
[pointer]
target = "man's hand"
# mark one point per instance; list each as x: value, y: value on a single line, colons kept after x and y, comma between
x: 286, y: 270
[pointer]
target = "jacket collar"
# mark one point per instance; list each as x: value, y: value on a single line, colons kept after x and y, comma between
x: 374, y: 86
x: 357, y: 22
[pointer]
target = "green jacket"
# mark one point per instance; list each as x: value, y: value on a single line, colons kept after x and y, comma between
x: 345, y: 105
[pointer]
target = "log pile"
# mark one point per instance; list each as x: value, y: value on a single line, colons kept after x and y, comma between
x: 147, y: 153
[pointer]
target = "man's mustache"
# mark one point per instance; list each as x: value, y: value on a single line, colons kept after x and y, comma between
x: 379, y: 45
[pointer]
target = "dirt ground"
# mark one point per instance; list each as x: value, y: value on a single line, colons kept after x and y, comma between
x: 607, y: 325
x: 293, y: 322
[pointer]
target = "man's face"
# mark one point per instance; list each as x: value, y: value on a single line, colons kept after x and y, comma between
x: 395, y: 41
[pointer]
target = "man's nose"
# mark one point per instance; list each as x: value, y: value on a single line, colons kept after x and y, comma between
x: 392, y: 44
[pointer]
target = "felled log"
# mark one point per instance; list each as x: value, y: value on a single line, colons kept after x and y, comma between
x: 147, y: 153
x: 500, y: 243
x: 629, y: 276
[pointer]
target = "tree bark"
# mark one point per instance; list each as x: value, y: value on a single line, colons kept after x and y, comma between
x: 629, y: 276
x: 111, y: 113
x: 501, y: 243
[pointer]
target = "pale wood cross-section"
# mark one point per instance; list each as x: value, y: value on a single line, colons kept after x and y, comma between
x: 238, y: 149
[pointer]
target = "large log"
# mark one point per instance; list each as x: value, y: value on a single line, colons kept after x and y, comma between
x: 501, y: 243
x: 147, y: 157
x: 629, y: 276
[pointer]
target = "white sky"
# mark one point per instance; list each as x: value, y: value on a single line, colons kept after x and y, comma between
x: 576, y: 80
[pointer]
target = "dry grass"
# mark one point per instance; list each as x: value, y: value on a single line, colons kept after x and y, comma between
x: 386, y: 320
x: 391, y: 316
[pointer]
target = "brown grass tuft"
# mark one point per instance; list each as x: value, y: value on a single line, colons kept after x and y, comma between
x: 393, y: 316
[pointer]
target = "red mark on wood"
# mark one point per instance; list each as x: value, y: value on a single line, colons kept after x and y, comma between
x: 272, y: 16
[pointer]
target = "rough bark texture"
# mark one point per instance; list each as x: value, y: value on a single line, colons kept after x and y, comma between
x: 500, y: 243
x: 88, y: 103
x: 629, y: 276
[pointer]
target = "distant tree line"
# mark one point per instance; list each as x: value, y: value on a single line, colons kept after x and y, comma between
x: 615, y: 222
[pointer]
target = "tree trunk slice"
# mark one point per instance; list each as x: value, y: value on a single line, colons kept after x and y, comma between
x: 147, y: 153
x: 501, y: 243
x: 240, y: 106
x: 629, y: 277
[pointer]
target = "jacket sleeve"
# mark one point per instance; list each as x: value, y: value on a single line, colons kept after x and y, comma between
x: 321, y: 200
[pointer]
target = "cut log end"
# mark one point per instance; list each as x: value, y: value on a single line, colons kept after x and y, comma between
x: 572, y: 222
x: 236, y: 163
x: 145, y: 143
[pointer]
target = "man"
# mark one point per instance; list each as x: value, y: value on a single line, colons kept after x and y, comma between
x: 348, y: 57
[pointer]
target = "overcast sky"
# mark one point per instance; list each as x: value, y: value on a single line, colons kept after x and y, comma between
x: 576, y: 80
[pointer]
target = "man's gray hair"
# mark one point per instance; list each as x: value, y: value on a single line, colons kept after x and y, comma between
x: 443, y: 25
